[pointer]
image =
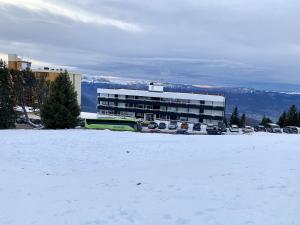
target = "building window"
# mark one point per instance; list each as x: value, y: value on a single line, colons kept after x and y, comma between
x: 103, y: 103
x: 130, y: 97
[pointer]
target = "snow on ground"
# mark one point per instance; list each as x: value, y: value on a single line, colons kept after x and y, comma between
x: 73, y: 177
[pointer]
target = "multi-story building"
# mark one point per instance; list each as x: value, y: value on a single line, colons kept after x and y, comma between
x: 52, y: 74
x: 155, y: 104
x: 18, y: 63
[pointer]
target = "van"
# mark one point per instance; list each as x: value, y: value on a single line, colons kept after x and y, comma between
x: 273, y: 128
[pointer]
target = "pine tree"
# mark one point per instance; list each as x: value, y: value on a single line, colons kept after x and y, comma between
x: 265, y: 120
x: 243, y: 121
x: 282, y: 120
x: 7, y: 103
x: 292, y: 116
x: 234, y: 119
x: 61, y: 109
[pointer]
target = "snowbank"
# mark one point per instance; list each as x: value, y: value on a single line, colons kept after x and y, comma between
x: 81, y: 177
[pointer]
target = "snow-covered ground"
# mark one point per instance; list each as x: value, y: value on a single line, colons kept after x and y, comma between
x: 73, y: 177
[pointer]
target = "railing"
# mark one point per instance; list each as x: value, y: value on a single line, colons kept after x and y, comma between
x: 158, y: 110
x: 160, y: 101
x: 152, y: 102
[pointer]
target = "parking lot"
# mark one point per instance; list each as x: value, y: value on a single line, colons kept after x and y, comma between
x: 172, y: 127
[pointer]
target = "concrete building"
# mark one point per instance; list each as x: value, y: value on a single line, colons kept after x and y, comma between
x: 52, y: 74
x: 155, y: 104
x: 18, y: 63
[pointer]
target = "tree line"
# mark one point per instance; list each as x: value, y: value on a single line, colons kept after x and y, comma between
x: 56, y: 101
x: 287, y: 118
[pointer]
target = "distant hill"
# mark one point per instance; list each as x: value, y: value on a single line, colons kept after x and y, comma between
x: 254, y: 103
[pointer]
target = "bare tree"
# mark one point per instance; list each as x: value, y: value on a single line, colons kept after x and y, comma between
x: 24, y: 88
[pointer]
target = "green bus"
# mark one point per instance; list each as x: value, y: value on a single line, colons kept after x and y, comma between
x: 113, y: 123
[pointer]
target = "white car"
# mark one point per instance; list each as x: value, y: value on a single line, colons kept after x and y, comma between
x: 273, y: 128
x: 247, y: 129
x: 234, y: 128
x: 173, y: 125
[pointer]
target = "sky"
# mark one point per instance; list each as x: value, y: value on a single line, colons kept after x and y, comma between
x: 249, y: 43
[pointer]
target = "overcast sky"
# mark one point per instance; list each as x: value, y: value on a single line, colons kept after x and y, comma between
x: 223, y: 42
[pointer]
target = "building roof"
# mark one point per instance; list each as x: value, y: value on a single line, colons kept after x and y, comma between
x: 172, y: 95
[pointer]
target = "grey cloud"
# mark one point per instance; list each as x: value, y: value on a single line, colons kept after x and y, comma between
x: 238, y: 42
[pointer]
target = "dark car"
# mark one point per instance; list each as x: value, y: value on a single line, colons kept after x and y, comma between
x: 35, y: 121
x: 222, y: 127
x: 197, y: 127
x: 290, y: 130
x: 21, y: 120
x: 182, y: 131
x: 162, y: 126
x: 259, y: 128
x: 213, y: 130
x: 152, y: 125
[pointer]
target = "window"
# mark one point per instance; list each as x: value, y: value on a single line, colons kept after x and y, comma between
x: 129, y: 97
x: 103, y: 103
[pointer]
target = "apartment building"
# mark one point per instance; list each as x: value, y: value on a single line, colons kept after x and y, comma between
x: 18, y: 63
x: 156, y: 104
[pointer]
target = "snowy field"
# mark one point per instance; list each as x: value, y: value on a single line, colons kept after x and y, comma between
x: 85, y: 177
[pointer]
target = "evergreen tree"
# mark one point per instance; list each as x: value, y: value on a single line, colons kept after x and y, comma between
x: 243, y: 121
x: 282, y: 120
x: 7, y: 103
x: 265, y: 120
x: 234, y: 119
x: 61, y: 109
x: 292, y: 116
x: 298, y: 121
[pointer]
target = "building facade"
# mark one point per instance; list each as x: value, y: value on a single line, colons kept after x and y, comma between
x: 18, y: 63
x: 52, y: 74
x: 155, y: 104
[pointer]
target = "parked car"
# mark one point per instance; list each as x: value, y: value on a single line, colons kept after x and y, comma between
x: 152, y: 125
x: 197, y: 127
x: 182, y: 131
x: 273, y: 128
x: 247, y: 129
x: 291, y: 130
x: 35, y: 121
x: 234, y: 128
x: 213, y: 130
x: 162, y: 126
x: 184, y: 125
x: 259, y: 128
x: 222, y: 127
x: 21, y: 120
x: 173, y: 125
